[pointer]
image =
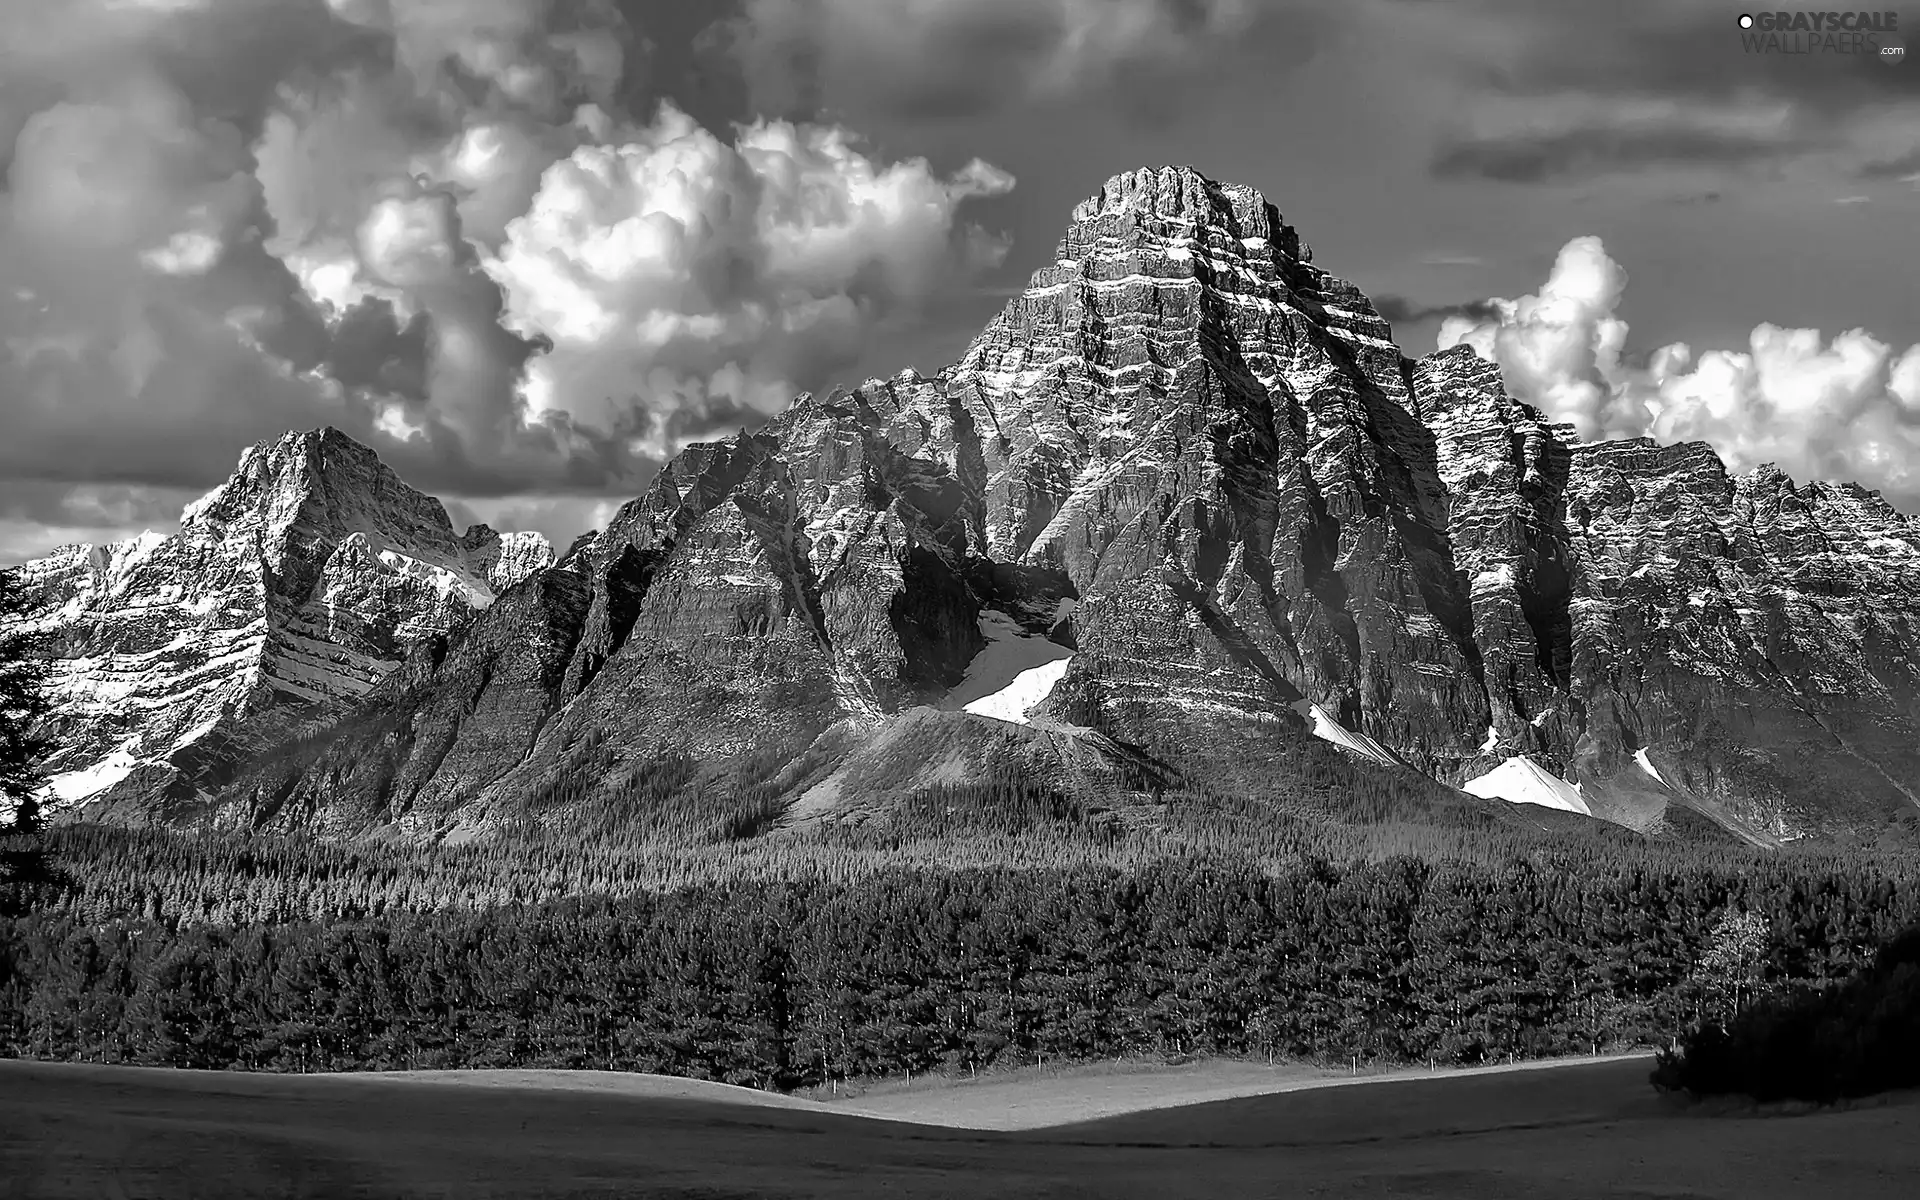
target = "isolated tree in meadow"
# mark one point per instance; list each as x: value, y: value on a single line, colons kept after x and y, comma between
x: 23, y: 703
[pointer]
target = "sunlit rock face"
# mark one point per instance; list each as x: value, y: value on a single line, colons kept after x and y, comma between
x: 304, y: 578
x: 1196, y: 464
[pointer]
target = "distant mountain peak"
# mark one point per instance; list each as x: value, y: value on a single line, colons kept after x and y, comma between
x: 325, y: 478
x: 304, y: 577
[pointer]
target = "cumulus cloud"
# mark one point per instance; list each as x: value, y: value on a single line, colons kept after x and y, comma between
x: 123, y: 244
x: 713, y: 276
x: 1560, y: 348
x: 1841, y: 409
x: 222, y: 219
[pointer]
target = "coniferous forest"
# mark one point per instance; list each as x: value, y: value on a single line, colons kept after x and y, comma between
x: 824, y: 963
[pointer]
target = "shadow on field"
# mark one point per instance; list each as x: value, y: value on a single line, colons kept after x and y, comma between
x: 1568, y: 1131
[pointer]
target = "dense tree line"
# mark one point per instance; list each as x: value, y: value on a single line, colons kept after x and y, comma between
x: 1812, y: 1041
x: 788, y: 984
x: 106, y: 873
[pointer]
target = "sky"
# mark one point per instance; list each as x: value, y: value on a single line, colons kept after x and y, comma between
x: 528, y: 248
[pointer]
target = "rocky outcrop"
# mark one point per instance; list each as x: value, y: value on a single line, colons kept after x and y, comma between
x: 1195, y: 463
x: 305, y: 578
x: 1759, y: 635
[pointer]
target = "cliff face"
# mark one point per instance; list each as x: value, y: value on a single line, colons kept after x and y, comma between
x: 303, y: 579
x: 1182, y: 494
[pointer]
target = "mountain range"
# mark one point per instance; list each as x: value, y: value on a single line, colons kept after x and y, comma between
x: 1182, y: 505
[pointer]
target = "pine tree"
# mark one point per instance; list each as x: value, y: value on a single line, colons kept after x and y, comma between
x: 23, y: 704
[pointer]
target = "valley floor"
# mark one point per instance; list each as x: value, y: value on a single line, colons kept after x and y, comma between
x: 1583, y: 1129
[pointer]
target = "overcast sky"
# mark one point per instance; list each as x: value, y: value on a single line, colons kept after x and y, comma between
x: 525, y: 248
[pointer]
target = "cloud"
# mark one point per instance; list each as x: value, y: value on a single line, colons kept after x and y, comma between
x: 1558, y: 349
x: 1846, y: 409
x: 124, y: 249
x: 1537, y: 139
x: 36, y: 517
x: 539, y: 55
x: 1542, y: 92
x: 715, y: 278
x: 222, y: 219
x: 942, y: 58
x: 1400, y: 310
x: 1674, y: 48
x: 561, y: 518
x: 1904, y: 167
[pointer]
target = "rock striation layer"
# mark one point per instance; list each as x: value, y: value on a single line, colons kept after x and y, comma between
x: 1196, y: 463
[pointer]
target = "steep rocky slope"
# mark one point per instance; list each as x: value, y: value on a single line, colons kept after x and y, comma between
x: 303, y: 579
x: 1181, y: 503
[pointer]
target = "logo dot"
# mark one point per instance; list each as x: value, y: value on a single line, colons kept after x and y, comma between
x: 1746, y: 21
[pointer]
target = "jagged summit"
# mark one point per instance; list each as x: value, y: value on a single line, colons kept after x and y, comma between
x: 1180, y: 195
x: 324, y: 479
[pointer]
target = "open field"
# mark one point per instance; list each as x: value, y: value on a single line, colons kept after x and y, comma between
x: 1585, y: 1129
x: 1040, y: 1097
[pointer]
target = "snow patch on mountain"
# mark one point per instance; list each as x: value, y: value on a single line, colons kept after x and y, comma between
x: 1640, y: 756
x: 1329, y: 730
x: 1012, y: 674
x: 1520, y: 780
x: 69, y: 787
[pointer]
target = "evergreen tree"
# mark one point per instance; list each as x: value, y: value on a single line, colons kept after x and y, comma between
x: 23, y: 704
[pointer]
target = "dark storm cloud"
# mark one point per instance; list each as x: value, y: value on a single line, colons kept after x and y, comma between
x: 1400, y: 310
x: 89, y: 506
x: 1527, y: 157
x: 1899, y: 167
x: 985, y: 58
x: 371, y: 348
x: 1654, y: 83
x: 36, y: 517
x: 946, y: 60
x: 1679, y: 48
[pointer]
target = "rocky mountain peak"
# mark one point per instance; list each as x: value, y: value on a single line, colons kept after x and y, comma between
x: 326, y: 482
x: 305, y: 577
x: 1176, y: 200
